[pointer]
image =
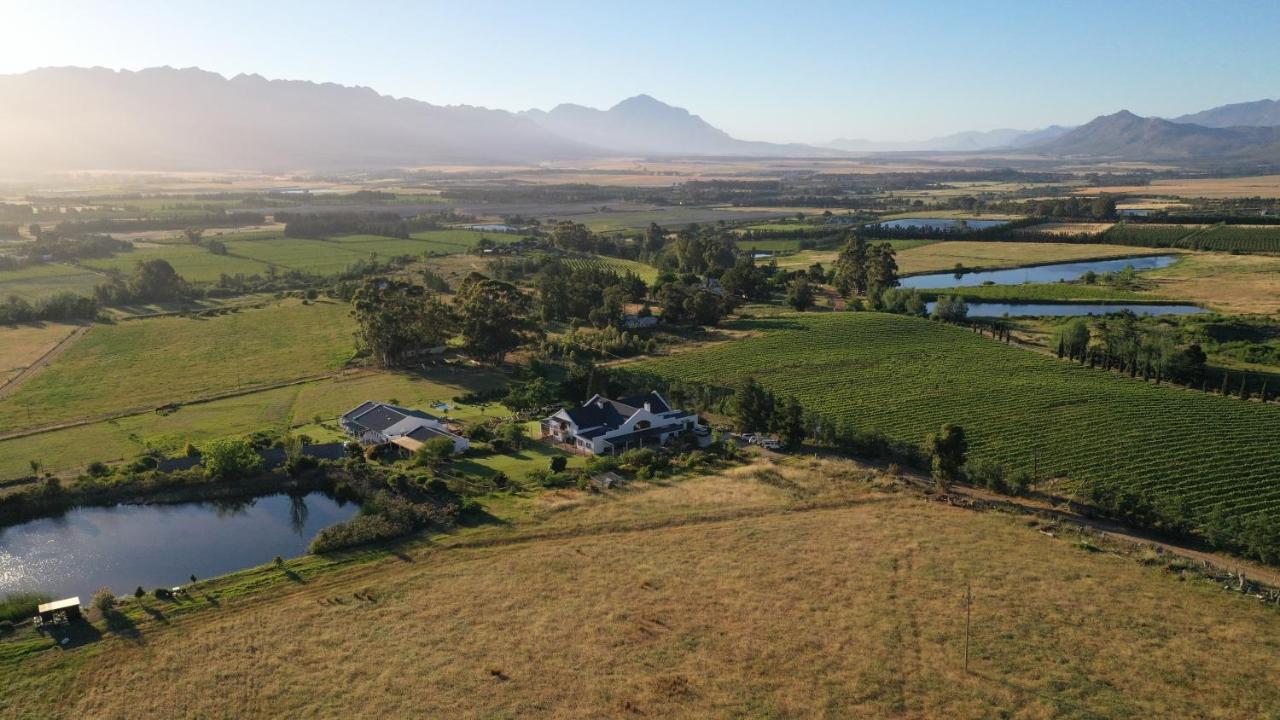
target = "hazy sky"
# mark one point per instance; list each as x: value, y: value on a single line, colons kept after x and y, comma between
x: 783, y: 71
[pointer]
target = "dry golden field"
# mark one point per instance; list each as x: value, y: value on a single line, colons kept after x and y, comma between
x: 21, y: 345
x: 1258, y: 186
x: 1226, y: 283
x: 805, y: 589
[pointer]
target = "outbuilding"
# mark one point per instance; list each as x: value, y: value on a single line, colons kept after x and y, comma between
x: 59, y: 612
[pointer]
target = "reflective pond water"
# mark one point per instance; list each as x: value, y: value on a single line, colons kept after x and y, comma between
x: 994, y: 309
x: 1059, y: 272
x: 125, y: 546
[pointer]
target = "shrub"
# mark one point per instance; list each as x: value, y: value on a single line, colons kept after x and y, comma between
x: 20, y: 606
x: 104, y: 601
x: 97, y: 469
x: 226, y: 459
x: 139, y: 593
x: 559, y: 463
x: 6, y: 627
x: 434, y: 452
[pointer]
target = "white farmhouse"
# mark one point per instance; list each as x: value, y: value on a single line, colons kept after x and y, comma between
x: 601, y: 426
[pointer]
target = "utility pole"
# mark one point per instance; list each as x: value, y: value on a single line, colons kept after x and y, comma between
x: 968, y: 612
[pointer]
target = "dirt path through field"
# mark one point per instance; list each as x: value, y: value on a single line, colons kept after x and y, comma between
x: 41, y: 362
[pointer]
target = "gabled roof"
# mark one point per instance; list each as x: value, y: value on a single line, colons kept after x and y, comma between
x: 656, y: 404
x: 600, y: 411
x: 379, y: 417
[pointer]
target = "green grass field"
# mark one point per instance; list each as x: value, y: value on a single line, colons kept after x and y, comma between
x: 905, y: 377
x: 40, y: 281
x: 312, y: 256
x: 1049, y: 291
x: 164, y: 360
x: 193, y: 263
x: 276, y: 411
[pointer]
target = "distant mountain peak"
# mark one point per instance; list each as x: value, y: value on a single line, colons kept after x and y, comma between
x: 642, y: 124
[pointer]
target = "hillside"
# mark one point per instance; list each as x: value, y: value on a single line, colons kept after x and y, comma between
x: 1260, y: 113
x: 187, y: 119
x: 797, y: 589
x: 1128, y: 136
x: 642, y: 124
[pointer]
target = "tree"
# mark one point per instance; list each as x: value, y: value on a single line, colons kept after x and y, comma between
x: 559, y: 463
x: 744, y: 281
x: 752, y: 410
x: 948, y: 448
x: 882, y: 268
x: 950, y: 308
x: 157, y: 281
x: 800, y: 294
x: 229, y: 458
x: 530, y: 395
x: 654, y: 238
x: 851, y: 268
x: 791, y: 425
x: 494, y: 318
x: 1073, y: 338
x: 1103, y: 207
x: 514, y: 434
x: 434, y: 452
x: 398, y: 319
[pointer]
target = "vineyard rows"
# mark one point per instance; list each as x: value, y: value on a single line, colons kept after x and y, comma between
x: 905, y: 377
x: 1221, y: 238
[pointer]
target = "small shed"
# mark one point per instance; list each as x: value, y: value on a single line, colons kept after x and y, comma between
x: 59, y: 612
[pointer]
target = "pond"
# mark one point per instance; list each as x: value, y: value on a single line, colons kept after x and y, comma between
x: 994, y: 309
x: 125, y: 546
x: 942, y: 224
x: 1059, y: 272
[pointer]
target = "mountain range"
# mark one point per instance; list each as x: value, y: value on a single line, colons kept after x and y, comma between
x: 643, y: 125
x: 1124, y: 135
x: 166, y: 119
x: 968, y: 141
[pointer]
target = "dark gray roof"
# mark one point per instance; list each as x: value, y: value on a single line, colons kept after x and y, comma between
x: 380, y: 416
x: 656, y: 404
x: 423, y: 434
x: 600, y: 412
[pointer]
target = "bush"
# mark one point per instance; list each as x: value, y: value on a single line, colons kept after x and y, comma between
x: 97, y: 469
x: 104, y: 601
x: 20, y: 606
x: 6, y: 627
x: 559, y: 463
x: 434, y: 452
x: 227, y: 459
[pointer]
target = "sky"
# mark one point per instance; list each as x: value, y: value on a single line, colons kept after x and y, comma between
x: 778, y: 71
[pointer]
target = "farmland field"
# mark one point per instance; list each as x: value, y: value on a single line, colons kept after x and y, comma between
x: 193, y: 263
x: 905, y: 377
x: 156, y: 361
x: 1228, y: 283
x: 312, y: 256
x: 921, y: 256
x: 276, y: 410
x: 694, y: 598
x: 1050, y: 291
x: 648, y: 273
x: 21, y: 345
x: 40, y: 281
